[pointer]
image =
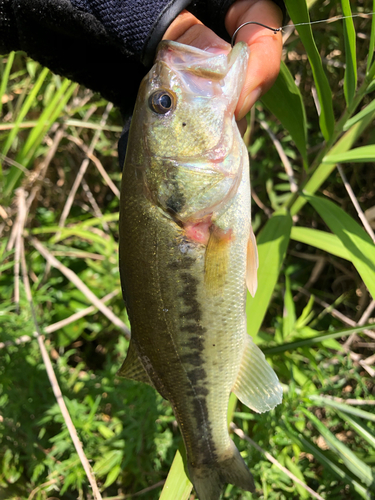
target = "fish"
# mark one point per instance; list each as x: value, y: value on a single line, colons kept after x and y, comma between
x: 187, y: 255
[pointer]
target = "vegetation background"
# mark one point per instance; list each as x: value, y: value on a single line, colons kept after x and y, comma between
x: 310, y: 139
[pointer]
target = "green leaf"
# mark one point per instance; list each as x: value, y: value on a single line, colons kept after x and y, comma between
x: 293, y: 467
x: 112, y: 475
x: 372, y: 41
x: 5, y: 77
x: 352, y: 462
x: 316, y: 339
x: 325, y: 461
x: 44, y: 123
x: 320, y: 239
x: 352, y: 410
x: 362, y: 430
x: 370, y: 108
x: 324, y: 169
x: 272, y: 243
x: 29, y: 102
x: 352, y: 235
x: 177, y: 486
x: 350, y: 77
x: 109, y: 460
x: 289, y: 316
x: 285, y: 102
x: 297, y: 10
x: 360, y: 155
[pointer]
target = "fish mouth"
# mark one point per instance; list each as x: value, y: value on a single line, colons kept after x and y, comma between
x: 199, y: 69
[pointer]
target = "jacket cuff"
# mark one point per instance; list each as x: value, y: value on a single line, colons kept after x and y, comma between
x: 168, y: 14
x: 8, y: 33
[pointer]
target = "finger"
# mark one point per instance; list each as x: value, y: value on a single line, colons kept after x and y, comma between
x: 187, y: 29
x: 265, y: 47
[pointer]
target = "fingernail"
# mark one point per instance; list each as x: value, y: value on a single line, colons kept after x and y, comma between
x: 249, y: 102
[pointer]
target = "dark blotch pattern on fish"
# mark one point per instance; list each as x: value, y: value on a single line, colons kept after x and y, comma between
x: 176, y: 200
x: 196, y: 390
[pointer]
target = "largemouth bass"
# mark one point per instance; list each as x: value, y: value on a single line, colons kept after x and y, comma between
x: 186, y: 253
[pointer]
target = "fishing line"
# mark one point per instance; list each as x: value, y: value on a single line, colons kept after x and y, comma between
x: 281, y: 28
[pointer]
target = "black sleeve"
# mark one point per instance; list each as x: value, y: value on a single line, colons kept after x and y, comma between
x: 106, y: 45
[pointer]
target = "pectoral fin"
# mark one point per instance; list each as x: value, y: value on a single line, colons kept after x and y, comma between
x: 216, y: 259
x: 132, y: 368
x: 252, y: 264
x: 257, y: 385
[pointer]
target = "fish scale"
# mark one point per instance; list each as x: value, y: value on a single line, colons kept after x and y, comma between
x: 186, y: 248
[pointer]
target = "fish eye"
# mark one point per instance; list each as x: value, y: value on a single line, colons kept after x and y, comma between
x: 161, y: 101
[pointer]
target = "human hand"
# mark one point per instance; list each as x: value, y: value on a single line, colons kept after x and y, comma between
x: 265, y: 46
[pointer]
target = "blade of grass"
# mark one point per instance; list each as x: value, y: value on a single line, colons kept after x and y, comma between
x: 29, y: 102
x: 68, y: 273
x: 370, y: 108
x: 55, y: 385
x: 272, y: 244
x: 45, y: 121
x: 372, y: 41
x: 320, y: 239
x: 357, y: 466
x: 296, y: 344
x: 93, y: 221
x: 359, y: 428
x: 356, y: 204
x: 307, y: 446
x: 360, y: 155
x: 177, y: 486
x: 285, y: 102
x: 323, y: 170
x: 297, y: 10
x: 5, y: 78
x: 352, y: 235
x: 322, y: 401
x: 350, y: 77
x: 275, y: 462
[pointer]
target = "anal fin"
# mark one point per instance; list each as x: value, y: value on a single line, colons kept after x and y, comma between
x: 257, y: 385
x: 252, y: 264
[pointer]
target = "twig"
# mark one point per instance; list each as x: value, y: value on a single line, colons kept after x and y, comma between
x: 43, y: 167
x: 83, y: 167
x: 273, y: 460
x: 60, y: 324
x: 357, y: 206
x: 41, y: 486
x: 260, y: 204
x: 97, y: 212
x: 68, y: 273
x: 363, y: 320
x: 139, y: 493
x: 69, y: 123
x: 78, y: 315
x: 352, y: 401
x: 14, y: 163
x: 21, y: 217
x: 283, y: 157
x: 337, y: 314
x: 55, y: 385
x: 97, y: 163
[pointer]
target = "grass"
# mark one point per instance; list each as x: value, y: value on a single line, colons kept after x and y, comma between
x: 313, y: 314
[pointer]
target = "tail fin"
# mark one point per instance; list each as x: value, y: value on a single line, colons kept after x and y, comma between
x: 208, y: 480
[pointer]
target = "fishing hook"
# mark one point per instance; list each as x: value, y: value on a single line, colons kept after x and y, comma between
x: 275, y: 30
